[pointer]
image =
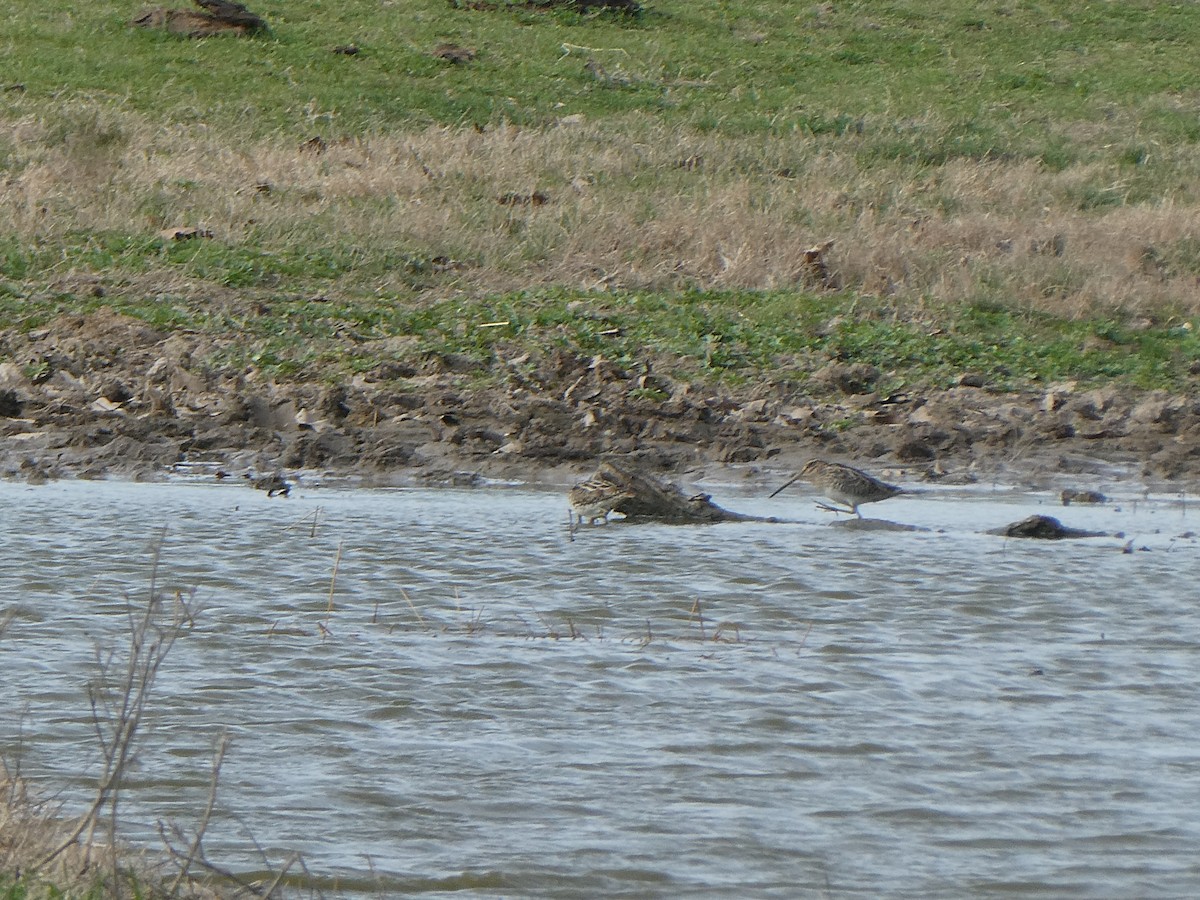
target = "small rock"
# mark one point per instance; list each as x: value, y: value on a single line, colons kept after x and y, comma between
x: 1156, y: 409
x: 184, y: 233
x: 875, y: 525
x: 1057, y: 395
x: 626, y: 6
x: 115, y: 391
x: 914, y: 451
x: 10, y: 405
x: 854, y: 378
x: 452, y: 53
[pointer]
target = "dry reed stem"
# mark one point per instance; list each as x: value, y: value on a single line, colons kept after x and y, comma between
x: 630, y: 204
x: 698, y: 614
x: 337, y: 561
x: 412, y: 606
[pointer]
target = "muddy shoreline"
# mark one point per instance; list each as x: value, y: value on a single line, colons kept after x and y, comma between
x: 106, y: 396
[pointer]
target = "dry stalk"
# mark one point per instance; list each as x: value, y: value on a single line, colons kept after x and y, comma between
x: 649, y: 637
x: 698, y: 615
x: 337, y: 561
x: 202, y: 826
x: 804, y: 640
x: 283, y: 870
x: 313, y: 519
x: 63, y: 857
x: 719, y: 634
x: 412, y: 606
x: 475, y: 624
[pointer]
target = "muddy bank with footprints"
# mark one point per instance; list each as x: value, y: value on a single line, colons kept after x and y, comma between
x: 107, y: 396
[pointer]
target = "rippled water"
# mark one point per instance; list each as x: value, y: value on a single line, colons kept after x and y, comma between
x: 746, y: 710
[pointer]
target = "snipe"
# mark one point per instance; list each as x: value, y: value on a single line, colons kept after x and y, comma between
x: 594, y: 499
x: 843, y: 484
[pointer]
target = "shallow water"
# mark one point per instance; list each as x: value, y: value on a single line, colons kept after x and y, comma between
x: 488, y: 708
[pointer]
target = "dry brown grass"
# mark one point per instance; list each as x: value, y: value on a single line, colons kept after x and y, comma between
x: 633, y: 205
x: 32, y: 829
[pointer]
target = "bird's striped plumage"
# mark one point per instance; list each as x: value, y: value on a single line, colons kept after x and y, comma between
x: 844, y: 484
x: 595, y: 498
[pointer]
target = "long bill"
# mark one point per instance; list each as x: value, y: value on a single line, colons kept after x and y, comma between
x: 789, y: 483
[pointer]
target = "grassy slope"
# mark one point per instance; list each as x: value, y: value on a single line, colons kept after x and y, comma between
x: 1008, y: 70
x: 902, y: 99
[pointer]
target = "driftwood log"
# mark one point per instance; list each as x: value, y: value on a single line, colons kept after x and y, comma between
x: 1046, y: 528
x: 219, y: 17
x: 652, y: 499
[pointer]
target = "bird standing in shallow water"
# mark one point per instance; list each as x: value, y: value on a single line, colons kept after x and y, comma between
x: 843, y: 484
x: 595, y: 499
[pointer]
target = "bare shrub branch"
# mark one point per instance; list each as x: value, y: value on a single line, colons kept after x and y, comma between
x: 119, y: 696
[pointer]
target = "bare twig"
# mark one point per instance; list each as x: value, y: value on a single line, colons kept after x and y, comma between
x: 202, y: 826
x: 291, y: 861
x: 649, y: 638
x: 152, y: 634
x: 203, y: 863
x: 312, y: 519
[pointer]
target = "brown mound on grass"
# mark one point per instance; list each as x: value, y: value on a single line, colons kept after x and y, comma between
x: 626, y: 6
x: 219, y: 17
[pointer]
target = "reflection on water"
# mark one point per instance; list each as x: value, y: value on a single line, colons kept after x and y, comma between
x: 477, y: 705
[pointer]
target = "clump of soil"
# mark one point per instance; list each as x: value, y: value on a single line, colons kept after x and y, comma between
x: 626, y: 6
x: 104, y: 394
x: 219, y: 17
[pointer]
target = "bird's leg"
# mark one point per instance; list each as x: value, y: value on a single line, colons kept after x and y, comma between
x: 831, y: 508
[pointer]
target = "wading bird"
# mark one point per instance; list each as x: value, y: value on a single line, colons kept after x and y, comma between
x: 843, y: 484
x: 594, y: 499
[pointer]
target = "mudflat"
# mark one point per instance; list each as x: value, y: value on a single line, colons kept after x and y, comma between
x: 111, y: 396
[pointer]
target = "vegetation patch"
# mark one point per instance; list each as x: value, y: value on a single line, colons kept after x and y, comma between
x: 730, y: 194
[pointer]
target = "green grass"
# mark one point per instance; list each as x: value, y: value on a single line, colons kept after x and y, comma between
x: 97, y: 888
x: 710, y: 336
x: 1103, y: 94
x: 925, y: 79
